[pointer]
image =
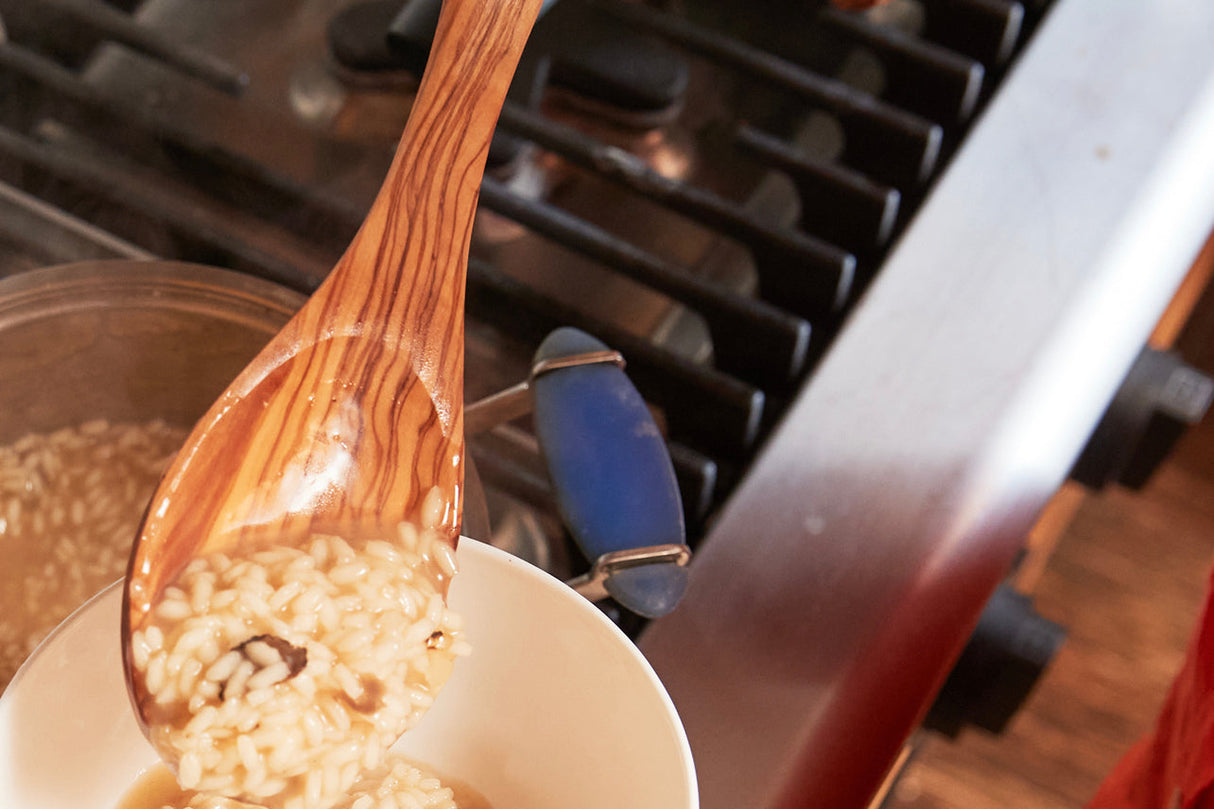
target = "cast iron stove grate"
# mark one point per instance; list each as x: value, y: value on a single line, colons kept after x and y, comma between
x: 739, y: 191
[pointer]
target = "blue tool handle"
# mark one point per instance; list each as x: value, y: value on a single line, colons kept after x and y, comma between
x: 610, y: 469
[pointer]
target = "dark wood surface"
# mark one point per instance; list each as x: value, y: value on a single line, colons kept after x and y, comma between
x: 1127, y: 579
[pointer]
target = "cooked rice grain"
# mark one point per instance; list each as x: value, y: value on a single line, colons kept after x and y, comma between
x: 394, y: 784
x: 235, y: 718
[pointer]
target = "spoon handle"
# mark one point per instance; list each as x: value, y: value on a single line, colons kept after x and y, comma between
x: 397, y: 398
x: 363, y: 389
x: 418, y: 229
x: 406, y: 267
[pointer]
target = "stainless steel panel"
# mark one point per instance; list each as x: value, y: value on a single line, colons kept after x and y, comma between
x: 841, y: 581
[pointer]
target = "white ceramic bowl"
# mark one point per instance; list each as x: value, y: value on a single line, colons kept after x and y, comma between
x: 555, y: 708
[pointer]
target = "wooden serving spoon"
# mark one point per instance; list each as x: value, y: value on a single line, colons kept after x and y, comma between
x: 354, y: 412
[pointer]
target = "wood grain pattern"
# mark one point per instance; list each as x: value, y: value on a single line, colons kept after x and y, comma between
x: 354, y: 411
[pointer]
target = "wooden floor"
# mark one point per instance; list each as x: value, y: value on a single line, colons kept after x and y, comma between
x: 1127, y: 580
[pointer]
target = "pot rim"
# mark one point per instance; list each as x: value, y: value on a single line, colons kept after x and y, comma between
x: 49, y: 291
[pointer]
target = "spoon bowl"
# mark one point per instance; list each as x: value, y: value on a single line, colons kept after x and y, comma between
x: 351, y: 419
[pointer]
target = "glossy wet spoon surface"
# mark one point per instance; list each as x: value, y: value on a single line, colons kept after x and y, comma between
x: 351, y: 419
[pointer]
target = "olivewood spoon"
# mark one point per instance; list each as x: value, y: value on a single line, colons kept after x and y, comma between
x: 354, y: 411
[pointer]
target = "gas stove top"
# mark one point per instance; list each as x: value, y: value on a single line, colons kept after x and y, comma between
x: 876, y: 274
x: 708, y: 194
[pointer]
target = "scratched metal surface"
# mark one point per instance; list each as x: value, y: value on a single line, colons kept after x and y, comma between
x: 828, y: 602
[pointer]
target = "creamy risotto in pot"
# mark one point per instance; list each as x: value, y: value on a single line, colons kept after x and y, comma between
x: 70, y: 503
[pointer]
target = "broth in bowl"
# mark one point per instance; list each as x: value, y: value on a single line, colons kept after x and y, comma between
x: 397, y: 784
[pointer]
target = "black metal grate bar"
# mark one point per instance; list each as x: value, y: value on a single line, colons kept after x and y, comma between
x: 697, y: 477
x: 510, y: 477
x: 262, y: 191
x: 55, y: 236
x: 797, y: 271
x: 986, y: 30
x: 232, y: 237
x: 751, y: 339
x: 888, y: 143
x: 843, y: 205
x: 109, y: 23
x: 920, y: 76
